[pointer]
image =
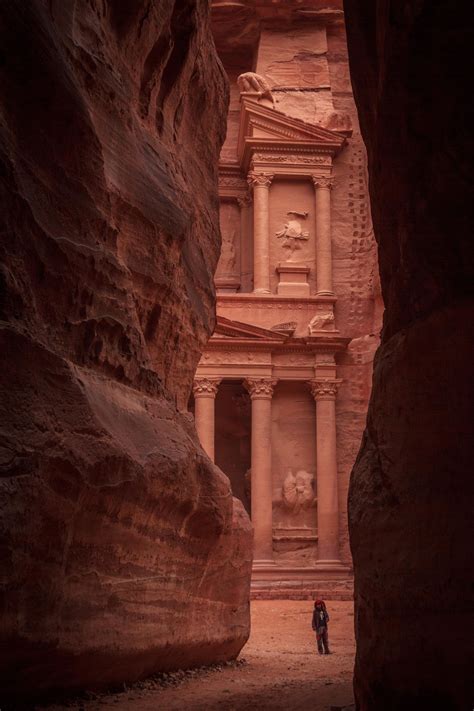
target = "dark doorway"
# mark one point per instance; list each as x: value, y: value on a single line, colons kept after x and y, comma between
x: 233, y: 433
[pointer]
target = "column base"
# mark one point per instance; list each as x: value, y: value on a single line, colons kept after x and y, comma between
x: 325, y: 293
x: 261, y: 291
x: 329, y: 564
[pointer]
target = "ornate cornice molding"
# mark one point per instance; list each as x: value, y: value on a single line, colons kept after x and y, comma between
x: 255, y: 179
x: 260, y: 387
x: 205, y: 387
x: 324, y: 389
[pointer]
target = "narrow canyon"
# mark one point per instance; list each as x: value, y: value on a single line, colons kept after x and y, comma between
x: 236, y: 324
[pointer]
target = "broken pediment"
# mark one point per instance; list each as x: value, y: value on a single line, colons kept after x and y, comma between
x: 264, y: 128
x: 228, y: 329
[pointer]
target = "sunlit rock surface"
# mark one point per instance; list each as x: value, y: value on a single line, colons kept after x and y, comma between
x: 122, y: 549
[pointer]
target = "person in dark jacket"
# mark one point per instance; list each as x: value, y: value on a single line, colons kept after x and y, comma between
x: 320, y: 626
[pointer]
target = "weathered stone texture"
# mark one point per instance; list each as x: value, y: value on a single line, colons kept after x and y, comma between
x: 411, y: 489
x: 122, y: 549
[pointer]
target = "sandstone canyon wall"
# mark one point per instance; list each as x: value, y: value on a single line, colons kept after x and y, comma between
x: 411, y: 489
x: 122, y: 549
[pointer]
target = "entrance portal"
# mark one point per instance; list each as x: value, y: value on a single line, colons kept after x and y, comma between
x: 232, y: 438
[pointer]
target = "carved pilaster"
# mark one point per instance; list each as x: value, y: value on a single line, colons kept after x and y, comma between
x: 260, y: 387
x: 206, y: 387
x: 324, y: 389
x: 260, y: 182
x: 322, y: 195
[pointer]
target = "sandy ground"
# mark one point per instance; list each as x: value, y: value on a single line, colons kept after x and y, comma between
x: 283, y: 669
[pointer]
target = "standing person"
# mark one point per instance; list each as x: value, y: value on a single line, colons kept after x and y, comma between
x: 320, y: 626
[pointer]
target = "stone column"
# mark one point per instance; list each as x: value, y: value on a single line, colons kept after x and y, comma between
x: 261, y: 245
x: 246, y: 267
x: 261, y: 391
x: 324, y: 392
x: 205, y: 390
x: 322, y: 186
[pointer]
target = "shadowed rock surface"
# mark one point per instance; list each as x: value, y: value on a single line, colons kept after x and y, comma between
x: 411, y: 489
x: 122, y: 549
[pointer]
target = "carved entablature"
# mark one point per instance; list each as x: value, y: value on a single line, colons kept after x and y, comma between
x: 239, y: 350
x: 323, y: 389
x: 295, y: 158
x: 243, y: 357
x: 232, y: 184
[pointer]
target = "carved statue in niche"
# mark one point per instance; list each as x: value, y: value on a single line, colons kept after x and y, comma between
x: 293, y: 234
x: 297, y: 491
x: 251, y: 83
x: 227, y: 258
x: 322, y: 321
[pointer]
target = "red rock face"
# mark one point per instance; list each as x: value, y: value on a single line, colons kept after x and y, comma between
x: 122, y: 549
x: 409, y: 502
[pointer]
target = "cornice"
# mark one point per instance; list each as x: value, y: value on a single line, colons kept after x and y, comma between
x: 273, y: 299
x: 315, y: 344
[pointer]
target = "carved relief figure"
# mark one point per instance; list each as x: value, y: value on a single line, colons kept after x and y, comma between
x: 297, y: 491
x: 322, y: 321
x: 227, y: 259
x: 293, y: 234
x: 251, y: 83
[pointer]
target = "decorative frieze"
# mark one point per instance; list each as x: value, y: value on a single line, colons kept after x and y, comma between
x: 244, y: 357
x: 291, y: 158
x: 230, y: 182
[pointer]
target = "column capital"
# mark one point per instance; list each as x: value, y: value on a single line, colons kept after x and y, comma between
x: 322, y: 181
x: 244, y: 201
x: 259, y: 179
x: 324, y: 389
x: 206, y: 387
x: 260, y: 387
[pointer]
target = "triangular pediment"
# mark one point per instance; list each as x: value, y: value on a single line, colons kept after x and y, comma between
x: 227, y: 329
x: 262, y: 124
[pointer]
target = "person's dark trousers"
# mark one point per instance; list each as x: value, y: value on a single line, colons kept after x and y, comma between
x: 323, y: 640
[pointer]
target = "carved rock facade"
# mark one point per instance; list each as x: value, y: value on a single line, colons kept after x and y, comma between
x: 302, y: 303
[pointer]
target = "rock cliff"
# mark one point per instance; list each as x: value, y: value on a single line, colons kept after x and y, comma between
x: 411, y: 488
x: 122, y: 549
